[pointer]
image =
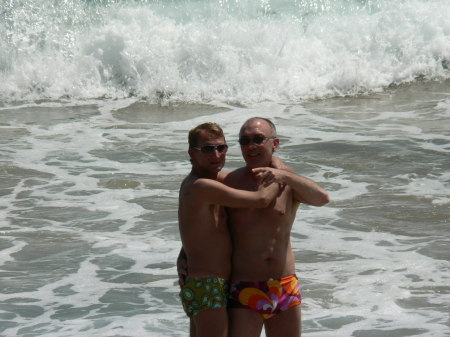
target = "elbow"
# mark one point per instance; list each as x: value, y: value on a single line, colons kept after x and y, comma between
x: 264, y: 201
x: 323, y: 199
x: 319, y: 200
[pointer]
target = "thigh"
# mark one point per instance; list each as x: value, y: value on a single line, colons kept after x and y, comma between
x: 211, y: 323
x: 245, y: 322
x: 287, y: 323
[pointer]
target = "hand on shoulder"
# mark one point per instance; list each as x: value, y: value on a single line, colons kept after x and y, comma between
x: 268, y: 175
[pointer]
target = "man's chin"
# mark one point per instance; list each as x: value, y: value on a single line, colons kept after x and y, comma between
x: 254, y: 162
x: 217, y: 167
x: 252, y: 165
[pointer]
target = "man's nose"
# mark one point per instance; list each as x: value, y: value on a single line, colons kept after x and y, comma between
x: 252, y: 145
x: 215, y: 153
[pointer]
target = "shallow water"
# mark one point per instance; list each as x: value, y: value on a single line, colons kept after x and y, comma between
x: 89, y: 195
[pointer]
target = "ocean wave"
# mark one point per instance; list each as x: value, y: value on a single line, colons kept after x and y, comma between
x: 198, y: 51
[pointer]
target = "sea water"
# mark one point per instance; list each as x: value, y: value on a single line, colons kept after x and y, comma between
x: 97, y: 97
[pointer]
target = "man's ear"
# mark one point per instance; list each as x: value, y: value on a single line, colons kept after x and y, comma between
x: 276, y: 144
x: 191, y: 152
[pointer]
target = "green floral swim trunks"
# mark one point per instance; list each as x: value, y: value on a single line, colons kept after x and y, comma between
x: 199, y: 293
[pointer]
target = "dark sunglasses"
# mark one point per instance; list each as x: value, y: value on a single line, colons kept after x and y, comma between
x: 258, y: 139
x: 208, y: 149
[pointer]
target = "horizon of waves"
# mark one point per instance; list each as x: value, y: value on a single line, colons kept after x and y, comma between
x: 223, y: 51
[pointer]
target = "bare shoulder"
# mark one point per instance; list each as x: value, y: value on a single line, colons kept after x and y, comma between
x: 204, y: 185
x: 203, y: 182
x: 188, y: 185
x: 222, y: 176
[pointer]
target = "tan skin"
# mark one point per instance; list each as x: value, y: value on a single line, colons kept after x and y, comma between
x: 261, y: 237
x: 203, y: 224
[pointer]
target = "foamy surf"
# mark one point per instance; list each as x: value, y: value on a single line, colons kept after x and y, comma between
x: 96, y: 100
x: 235, y: 52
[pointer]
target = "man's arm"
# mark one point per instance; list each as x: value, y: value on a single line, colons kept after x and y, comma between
x: 214, y: 192
x: 305, y: 190
x: 182, y: 268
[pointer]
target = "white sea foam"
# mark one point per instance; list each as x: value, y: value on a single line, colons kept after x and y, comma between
x: 356, y: 274
x: 89, y: 187
x: 198, y: 51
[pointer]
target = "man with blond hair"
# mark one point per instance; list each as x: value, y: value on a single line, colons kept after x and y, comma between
x: 204, y: 232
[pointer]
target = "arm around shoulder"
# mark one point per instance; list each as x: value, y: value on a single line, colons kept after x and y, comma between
x: 214, y: 192
x: 304, y: 189
x: 268, y: 192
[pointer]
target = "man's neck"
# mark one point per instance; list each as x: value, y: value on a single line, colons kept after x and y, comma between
x: 201, y: 173
x: 249, y: 168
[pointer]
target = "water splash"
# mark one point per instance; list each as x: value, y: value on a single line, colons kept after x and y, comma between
x: 228, y: 51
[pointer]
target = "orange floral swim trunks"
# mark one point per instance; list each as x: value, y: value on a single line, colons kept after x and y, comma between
x: 269, y: 298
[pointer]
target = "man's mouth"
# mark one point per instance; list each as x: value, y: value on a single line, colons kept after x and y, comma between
x: 252, y: 154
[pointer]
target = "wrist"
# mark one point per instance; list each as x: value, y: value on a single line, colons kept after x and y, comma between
x: 286, y: 177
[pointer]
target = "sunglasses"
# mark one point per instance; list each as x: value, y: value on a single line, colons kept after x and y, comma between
x: 258, y: 139
x: 208, y: 149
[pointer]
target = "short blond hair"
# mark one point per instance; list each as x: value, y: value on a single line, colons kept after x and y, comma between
x: 214, y: 128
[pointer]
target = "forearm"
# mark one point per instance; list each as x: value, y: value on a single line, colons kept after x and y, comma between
x: 269, y: 193
x: 182, y: 267
x: 306, y: 190
x: 181, y: 255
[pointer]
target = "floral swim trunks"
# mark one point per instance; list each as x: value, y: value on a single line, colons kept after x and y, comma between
x: 200, y: 293
x: 269, y: 298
